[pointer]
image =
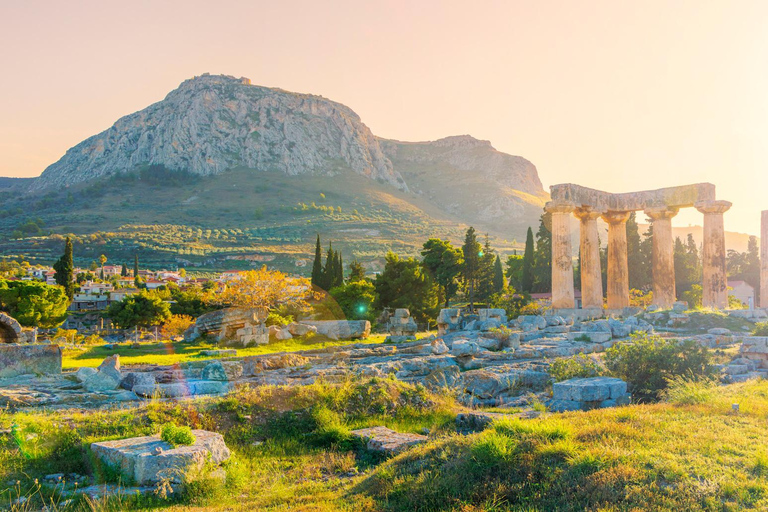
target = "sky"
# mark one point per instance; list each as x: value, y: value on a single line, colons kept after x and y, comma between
x: 614, y: 95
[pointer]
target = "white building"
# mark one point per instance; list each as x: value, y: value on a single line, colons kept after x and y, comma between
x: 742, y: 291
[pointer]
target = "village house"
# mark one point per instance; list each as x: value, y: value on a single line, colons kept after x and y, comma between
x: 742, y: 290
x: 122, y: 293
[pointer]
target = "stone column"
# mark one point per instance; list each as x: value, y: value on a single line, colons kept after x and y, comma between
x: 764, y: 260
x: 715, y: 282
x: 562, y: 257
x: 618, y: 271
x: 589, y: 246
x: 664, y: 294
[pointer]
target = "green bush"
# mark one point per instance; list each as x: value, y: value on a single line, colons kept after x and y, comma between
x: 579, y: 366
x: 277, y: 319
x: 177, y: 436
x: 649, y: 362
x: 761, y: 329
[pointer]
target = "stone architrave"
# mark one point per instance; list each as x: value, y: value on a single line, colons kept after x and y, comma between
x: 664, y: 294
x: 764, y: 260
x: 618, y: 271
x: 715, y: 281
x: 562, y: 256
x: 589, y: 247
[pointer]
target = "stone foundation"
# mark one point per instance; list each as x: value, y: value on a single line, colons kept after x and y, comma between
x: 29, y: 359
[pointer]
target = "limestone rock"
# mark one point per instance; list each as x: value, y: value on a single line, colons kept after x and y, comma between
x: 138, y: 459
x: 301, y: 329
x: 84, y: 373
x: 214, y: 371
x: 383, y: 439
x: 464, y: 348
x: 342, y: 329
x: 29, y: 359
x: 438, y: 347
x: 133, y: 379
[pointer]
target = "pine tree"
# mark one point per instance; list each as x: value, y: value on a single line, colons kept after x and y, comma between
x: 485, y: 286
x: 471, y: 250
x: 317, y: 265
x: 528, y: 263
x: 542, y: 268
x: 356, y: 272
x: 499, y: 282
x: 65, y: 268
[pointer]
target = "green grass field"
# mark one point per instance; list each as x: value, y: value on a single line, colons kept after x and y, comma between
x: 293, y: 452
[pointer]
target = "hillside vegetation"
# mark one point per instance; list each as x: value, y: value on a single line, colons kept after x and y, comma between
x: 293, y: 451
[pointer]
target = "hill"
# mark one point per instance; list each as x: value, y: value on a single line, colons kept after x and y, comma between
x: 223, y: 173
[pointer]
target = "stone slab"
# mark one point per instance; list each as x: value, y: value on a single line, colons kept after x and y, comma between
x: 594, y: 389
x: 590, y: 336
x: 383, y: 439
x: 18, y: 359
x: 148, y: 460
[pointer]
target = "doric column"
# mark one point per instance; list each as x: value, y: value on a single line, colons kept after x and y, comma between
x: 618, y: 271
x: 715, y: 282
x: 764, y: 260
x: 589, y: 247
x: 562, y: 257
x: 664, y: 294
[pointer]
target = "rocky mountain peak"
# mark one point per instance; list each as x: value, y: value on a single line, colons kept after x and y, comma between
x: 462, y: 142
x: 212, y: 123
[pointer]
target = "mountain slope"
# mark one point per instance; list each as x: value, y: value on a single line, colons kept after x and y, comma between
x: 214, y: 123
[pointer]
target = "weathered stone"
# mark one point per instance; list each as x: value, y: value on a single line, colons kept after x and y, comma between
x: 301, y: 329
x: 29, y: 359
x: 438, y: 347
x: 134, y: 379
x: 401, y: 323
x: 594, y: 389
x: 448, y: 320
x: 219, y: 353
x: 138, y: 460
x: 214, y: 371
x: 342, y: 329
x: 383, y: 439
x: 590, y: 336
x: 83, y: 373
x: 10, y: 329
x: 283, y: 334
x: 224, y: 323
x: 444, y: 377
x: 182, y: 389
x: 464, y: 348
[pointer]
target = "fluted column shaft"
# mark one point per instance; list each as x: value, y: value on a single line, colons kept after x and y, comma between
x: 589, y: 247
x: 618, y: 271
x: 562, y: 256
x: 664, y: 294
x: 715, y: 280
x: 764, y: 260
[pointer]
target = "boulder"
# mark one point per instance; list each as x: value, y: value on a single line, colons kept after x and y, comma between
x: 438, y: 347
x: 301, y: 329
x: 464, y: 348
x: 83, y: 373
x: 133, y: 379
x: 149, y: 460
x: 588, y: 393
x: 444, y: 377
x: 224, y: 323
x: 107, y: 376
x: 283, y: 334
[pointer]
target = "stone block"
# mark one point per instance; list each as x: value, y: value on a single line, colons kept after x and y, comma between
x: 133, y: 379
x: 383, y: 439
x: 29, y: 359
x: 557, y: 329
x: 464, y: 348
x: 594, y: 389
x: 214, y: 371
x: 342, y: 329
x: 148, y: 460
x: 301, y: 329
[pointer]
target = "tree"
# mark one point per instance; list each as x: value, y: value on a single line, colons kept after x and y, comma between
x: 267, y: 289
x: 317, y: 266
x: 498, y: 277
x: 142, y: 310
x: 687, y: 265
x: 65, y: 268
x: 542, y: 268
x: 356, y: 272
x: 404, y: 283
x: 644, y: 272
x: 124, y: 271
x: 34, y: 304
x: 515, y: 271
x: 136, y: 278
x: 637, y: 279
x: 443, y: 262
x: 338, y: 272
x: 102, y: 260
x: 485, y: 287
x: 471, y: 251
x: 527, y: 271
x: 356, y: 299
x: 330, y: 269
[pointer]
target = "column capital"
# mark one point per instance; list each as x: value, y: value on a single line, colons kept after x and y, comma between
x: 616, y: 217
x: 559, y: 207
x: 713, y: 207
x: 661, y: 212
x: 588, y: 213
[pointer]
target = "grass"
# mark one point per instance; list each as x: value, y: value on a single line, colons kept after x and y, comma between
x: 179, y: 352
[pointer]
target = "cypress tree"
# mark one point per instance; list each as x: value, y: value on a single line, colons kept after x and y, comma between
x: 65, y: 268
x: 498, y: 276
x: 317, y: 265
x: 124, y: 271
x: 329, y: 270
x: 527, y: 277
x: 339, y: 274
x: 471, y: 250
x: 542, y: 268
x: 136, y: 270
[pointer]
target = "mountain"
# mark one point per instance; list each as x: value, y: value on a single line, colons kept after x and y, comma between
x: 223, y: 173
x: 211, y: 124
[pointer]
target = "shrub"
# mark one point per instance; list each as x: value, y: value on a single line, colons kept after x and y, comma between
x: 276, y: 319
x: 648, y: 363
x: 761, y: 329
x: 176, y: 325
x: 177, y: 436
x: 533, y: 308
x: 579, y: 366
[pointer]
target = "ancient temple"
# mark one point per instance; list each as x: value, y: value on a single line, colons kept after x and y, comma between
x: 660, y: 205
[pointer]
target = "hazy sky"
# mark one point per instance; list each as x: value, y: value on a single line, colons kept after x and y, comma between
x: 615, y: 95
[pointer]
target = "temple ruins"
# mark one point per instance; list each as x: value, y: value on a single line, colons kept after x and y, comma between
x: 660, y: 206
